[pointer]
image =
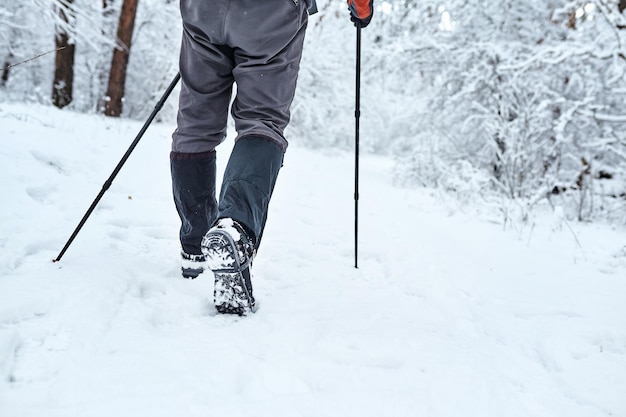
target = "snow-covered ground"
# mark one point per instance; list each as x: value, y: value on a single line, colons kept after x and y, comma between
x: 449, y: 314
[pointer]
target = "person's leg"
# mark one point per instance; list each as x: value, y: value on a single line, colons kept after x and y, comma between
x: 267, y: 58
x: 267, y: 38
x: 206, y: 73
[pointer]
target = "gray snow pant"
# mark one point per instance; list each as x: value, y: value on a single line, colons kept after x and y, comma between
x: 258, y: 45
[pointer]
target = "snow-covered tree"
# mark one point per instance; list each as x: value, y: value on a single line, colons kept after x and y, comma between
x: 28, y: 29
x: 523, y: 99
x: 63, y: 83
x: 119, y: 64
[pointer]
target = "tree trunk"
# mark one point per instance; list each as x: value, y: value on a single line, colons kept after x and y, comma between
x: 64, y: 60
x: 5, y: 70
x: 117, y: 76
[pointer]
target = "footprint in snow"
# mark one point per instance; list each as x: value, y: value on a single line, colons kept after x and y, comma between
x: 48, y: 161
x: 40, y: 194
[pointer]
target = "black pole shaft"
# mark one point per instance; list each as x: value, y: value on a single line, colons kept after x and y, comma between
x: 119, y: 166
x: 357, y: 115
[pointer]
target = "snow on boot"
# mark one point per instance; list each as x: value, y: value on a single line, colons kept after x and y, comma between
x: 192, y: 265
x: 229, y: 253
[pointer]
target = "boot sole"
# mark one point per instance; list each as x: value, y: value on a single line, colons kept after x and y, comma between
x: 230, y: 294
x: 190, y: 273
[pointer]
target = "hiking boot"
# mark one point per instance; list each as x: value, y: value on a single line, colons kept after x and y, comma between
x: 192, y: 265
x: 229, y: 252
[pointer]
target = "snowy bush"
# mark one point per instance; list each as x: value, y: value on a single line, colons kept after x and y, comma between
x: 528, y: 94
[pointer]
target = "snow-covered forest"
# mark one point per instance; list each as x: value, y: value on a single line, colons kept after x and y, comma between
x: 513, y: 104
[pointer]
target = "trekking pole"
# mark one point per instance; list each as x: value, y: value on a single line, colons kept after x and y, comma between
x: 117, y: 169
x: 357, y: 115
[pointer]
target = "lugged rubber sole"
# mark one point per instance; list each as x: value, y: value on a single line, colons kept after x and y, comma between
x: 191, y: 273
x: 231, y: 294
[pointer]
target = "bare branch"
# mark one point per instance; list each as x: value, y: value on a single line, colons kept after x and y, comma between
x: 35, y: 57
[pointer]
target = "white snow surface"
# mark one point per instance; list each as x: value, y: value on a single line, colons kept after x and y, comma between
x: 448, y: 314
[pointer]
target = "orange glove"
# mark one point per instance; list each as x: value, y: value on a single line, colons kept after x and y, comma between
x: 361, y: 11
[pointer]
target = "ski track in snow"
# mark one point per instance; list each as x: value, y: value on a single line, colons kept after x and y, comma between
x: 447, y: 315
